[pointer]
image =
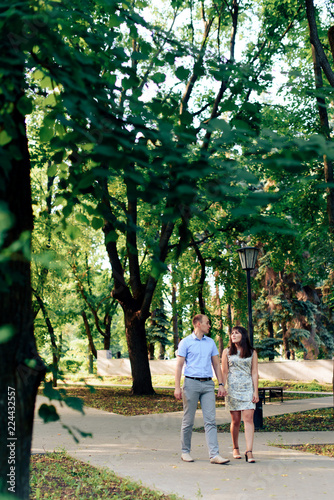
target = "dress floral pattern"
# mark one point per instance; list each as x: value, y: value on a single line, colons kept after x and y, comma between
x: 240, y: 383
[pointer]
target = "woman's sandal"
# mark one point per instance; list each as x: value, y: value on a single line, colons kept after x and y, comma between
x: 237, y: 455
x: 251, y: 459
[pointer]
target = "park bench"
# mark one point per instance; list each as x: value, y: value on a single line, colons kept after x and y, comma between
x: 273, y: 392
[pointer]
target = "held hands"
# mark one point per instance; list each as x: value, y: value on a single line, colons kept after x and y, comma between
x: 221, y: 391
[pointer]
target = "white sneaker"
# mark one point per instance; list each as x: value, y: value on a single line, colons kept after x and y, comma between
x: 219, y: 460
x: 186, y: 457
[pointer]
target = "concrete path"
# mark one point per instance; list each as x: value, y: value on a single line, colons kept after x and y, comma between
x: 147, y: 449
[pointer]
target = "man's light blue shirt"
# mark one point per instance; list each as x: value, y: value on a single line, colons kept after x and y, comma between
x: 197, y: 354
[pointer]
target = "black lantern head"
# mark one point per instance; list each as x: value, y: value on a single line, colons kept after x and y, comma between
x: 248, y: 256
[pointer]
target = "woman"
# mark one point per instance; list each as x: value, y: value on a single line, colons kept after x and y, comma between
x: 240, y: 369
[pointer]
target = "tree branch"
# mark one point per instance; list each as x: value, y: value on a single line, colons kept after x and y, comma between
x: 166, y: 233
x: 121, y: 290
x: 314, y: 38
x: 197, y: 65
x: 89, y: 334
x: 131, y: 236
x: 202, y: 277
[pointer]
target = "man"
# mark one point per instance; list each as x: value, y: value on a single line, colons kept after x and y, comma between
x: 199, y: 352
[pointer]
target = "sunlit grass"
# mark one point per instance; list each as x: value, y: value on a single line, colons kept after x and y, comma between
x: 169, y: 381
x: 120, y: 400
x: 57, y: 476
x: 317, y: 449
x: 321, y: 419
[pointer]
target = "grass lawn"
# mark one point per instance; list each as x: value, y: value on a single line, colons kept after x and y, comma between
x: 58, y: 476
x: 318, y: 449
x: 313, y: 420
x: 168, y: 381
x: 119, y: 399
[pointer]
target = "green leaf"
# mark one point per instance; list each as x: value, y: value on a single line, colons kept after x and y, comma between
x: 129, y: 82
x: 75, y: 403
x: 52, y: 170
x: 6, y: 219
x: 50, y: 100
x: 82, y: 218
x: 25, y: 105
x: 6, y: 333
x: 111, y: 236
x: 158, y: 77
x: 158, y: 268
x: 31, y: 363
x: 115, y: 21
x: 73, y: 232
x: 97, y: 223
x: 182, y: 73
x: 48, y: 413
x: 58, y: 157
x: 4, y: 138
x: 46, y: 83
x: 170, y: 58
x: 139, y: 56
x: 86, y: 182
x: 46, y: 133
x: 50, y: 392
x: 38, y: 74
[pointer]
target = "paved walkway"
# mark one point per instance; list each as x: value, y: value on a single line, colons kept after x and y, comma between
x: 147, y: 449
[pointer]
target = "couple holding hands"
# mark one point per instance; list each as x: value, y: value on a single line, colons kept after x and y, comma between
x: 239, y: 371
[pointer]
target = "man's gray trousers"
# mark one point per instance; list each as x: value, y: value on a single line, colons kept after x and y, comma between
x: 194, y: 391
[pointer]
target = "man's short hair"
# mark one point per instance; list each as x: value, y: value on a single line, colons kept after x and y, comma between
x: 198, y: 317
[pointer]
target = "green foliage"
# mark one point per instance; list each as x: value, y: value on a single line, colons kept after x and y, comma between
x: 267, y: 348
x: 159, y: 329
x: 48, y: 413
x: 116, y: 145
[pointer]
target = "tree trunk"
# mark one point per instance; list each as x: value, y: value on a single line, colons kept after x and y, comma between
x: 21, y: 369
x: 150, y: 350
x: 319, y: 59
x: 91, y: 345
x: 220, y: 332
x: 175, y: 317
x: 229, y: 318
x: 271, y: 336
x: 310, y: 344
x: 90, y: 362
x: 107, y: 332
x: 325, y: 128
x: 137, y: 347
x: 202, y: 278
x: 55, y: 349
x: 162, y: 351
x: 285, y: 339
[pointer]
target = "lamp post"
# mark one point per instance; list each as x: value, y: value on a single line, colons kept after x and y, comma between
x: 248, y: 256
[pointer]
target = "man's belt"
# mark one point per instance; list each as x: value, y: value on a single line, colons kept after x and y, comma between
x: 200, y: 379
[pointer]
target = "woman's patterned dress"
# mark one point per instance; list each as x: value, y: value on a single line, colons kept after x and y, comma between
x: 240, y: 383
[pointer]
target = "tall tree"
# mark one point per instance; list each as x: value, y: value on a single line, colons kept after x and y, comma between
x: 21, y: 367
x: 322, y: 64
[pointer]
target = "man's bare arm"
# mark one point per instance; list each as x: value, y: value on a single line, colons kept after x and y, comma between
x: 178, y: 372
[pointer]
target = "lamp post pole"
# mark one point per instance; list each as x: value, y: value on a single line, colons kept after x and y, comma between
x: 249, y: 302
x: 248, y: 256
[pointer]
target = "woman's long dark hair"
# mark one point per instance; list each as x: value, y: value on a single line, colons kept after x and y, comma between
x: 245, y: 345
